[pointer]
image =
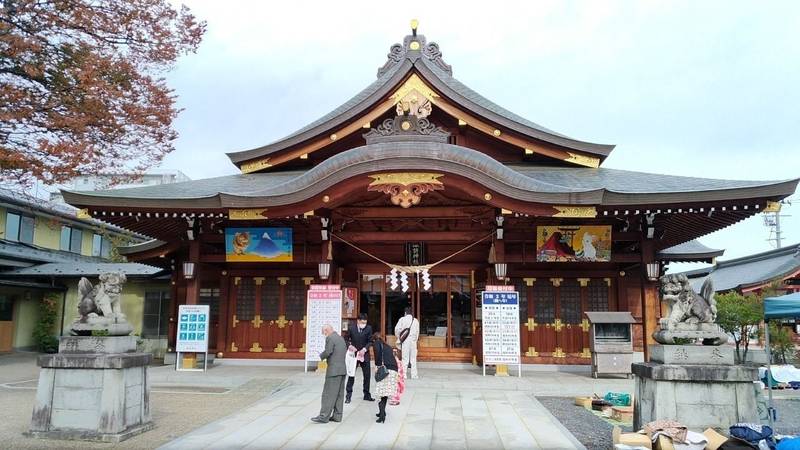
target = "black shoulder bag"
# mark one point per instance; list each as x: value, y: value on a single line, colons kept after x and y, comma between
x: 382, y: 371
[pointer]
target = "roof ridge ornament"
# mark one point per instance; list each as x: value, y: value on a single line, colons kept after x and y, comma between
x: 414, y: 45
x: 406, y: 128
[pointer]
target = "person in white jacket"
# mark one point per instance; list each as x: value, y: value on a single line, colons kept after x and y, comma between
x: 407, y: 340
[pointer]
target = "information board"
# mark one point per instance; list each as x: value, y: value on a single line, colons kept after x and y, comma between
x: 192, y: 329
x: 500, y: 324
x: 324, y: 307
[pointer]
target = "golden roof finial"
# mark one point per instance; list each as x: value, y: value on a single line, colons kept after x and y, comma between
x: 414, y: 24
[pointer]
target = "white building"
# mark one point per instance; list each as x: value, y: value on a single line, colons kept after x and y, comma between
x: 104, y: 181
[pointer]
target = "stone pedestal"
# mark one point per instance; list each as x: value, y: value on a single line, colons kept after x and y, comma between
x: 696, y: 385
x: 95, y: 388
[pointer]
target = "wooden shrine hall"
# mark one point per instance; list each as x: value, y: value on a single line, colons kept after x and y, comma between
x: 421, y: 173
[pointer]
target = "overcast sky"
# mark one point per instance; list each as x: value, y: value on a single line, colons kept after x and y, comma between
x: 707, y: 89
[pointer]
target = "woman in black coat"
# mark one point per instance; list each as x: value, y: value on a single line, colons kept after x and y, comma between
x: 386, y: 387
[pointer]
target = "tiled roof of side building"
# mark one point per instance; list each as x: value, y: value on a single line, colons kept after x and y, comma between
x: 689, y: 251
x: 17, y: 199
x: 83, y: 269
x: 751, y: 270
x: 17, y: 251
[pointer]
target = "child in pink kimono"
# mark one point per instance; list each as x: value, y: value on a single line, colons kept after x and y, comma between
x: 401, y: 379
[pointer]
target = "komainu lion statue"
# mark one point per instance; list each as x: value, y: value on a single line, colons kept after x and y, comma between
x: 686, y: 305
x: 100, y: 307
x: 692, y: 316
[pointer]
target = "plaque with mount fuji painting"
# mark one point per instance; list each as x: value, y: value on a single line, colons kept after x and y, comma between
x: 258, y: 244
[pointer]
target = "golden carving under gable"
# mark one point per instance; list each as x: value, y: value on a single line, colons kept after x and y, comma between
x: 583, y: 160
x: 413, y: 104
x: 255, y: 165
x: 575, y: 211
x: 83, y: 213
x: 406, y: 188
x: 247, y: 214
x: 414, y: 83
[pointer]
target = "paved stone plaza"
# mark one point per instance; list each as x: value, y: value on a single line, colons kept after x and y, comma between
x: 443, y: 409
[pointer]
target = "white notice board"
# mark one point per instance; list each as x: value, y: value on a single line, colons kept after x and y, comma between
x: 500, y: 325
x: 192, y: 329
x: 192, y: 335
x: 324, y: 307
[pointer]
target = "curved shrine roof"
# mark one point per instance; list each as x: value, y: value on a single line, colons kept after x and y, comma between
x: 543, y: 184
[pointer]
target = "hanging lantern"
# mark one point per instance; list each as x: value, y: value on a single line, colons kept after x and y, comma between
x: 653, y: 271
x: 500, y: 270
x: 324, y: 270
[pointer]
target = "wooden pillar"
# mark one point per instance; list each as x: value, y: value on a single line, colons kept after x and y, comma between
x: 647, y: 297
x: 193, y: 284
x: 224, y: 320
x: 172, y: 332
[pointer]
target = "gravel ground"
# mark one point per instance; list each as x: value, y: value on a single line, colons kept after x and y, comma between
x: 788, y: 416
x: 595, y: 433
x: 592, y: 431
x: 169, y: 414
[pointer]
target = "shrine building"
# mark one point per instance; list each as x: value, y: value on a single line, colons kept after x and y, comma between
x: 419, y: 174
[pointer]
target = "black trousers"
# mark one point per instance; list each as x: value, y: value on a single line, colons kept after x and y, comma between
x: 367, y: 375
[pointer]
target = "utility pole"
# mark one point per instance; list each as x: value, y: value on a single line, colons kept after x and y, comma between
x: 772, y: 220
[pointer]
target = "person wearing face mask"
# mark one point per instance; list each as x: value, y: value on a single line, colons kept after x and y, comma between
x: 359, y: 337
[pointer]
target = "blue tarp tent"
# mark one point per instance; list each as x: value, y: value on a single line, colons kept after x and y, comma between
x: 783, y: 307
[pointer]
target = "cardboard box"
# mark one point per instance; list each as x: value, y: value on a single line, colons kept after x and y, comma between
x: 631, y: 439
x: 586, y: 402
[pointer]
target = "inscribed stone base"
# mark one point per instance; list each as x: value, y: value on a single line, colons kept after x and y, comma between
x: 92, y: 396
x: 698, y: 396
x: 692, y: 354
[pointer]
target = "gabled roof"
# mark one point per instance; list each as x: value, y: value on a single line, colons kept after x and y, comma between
x: 749, y: 271
x: 417, y: 57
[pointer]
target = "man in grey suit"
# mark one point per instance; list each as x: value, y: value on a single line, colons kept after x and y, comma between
x: 335, y: 376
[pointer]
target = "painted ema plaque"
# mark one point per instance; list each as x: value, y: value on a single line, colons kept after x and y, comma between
x: 324, y: 307
x: 500, y: 309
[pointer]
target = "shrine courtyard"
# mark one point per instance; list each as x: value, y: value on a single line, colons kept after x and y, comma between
x: 233, y: 406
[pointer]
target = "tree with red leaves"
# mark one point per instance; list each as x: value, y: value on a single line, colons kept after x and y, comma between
x: 82, y: 88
